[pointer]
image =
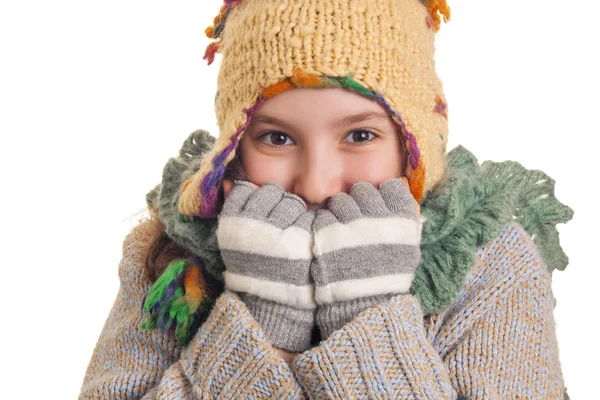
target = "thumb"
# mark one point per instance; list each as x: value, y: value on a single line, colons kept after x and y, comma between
x: 405, y: 180
x: 227, y: 186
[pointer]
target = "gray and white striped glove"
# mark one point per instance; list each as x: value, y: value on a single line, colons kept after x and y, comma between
x: 265, y: 240
x: 366, y: 249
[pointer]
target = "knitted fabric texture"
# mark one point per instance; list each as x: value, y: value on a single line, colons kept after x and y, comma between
x: 177, y: 300
x: 227, y: 357
x: 380, y: 49
x: 200, y: 236
x: 467, y: 209
x: 496, y: 340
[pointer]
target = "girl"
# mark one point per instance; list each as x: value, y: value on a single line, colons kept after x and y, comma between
x: 325, y: 245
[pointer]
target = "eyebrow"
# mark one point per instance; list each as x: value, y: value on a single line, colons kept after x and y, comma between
x: 347, y: 120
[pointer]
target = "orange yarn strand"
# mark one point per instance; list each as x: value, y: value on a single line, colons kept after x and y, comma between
x: 417, y: 181
x: 194, y: 286
x: 437, y: 8
x: 278, y: 88
x: 305, y: 80
x: 216, y: 20
x: 211, y: 49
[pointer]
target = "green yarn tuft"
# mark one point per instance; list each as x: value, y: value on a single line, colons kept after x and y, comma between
x: 157, y: 291
x: 162, y: 312
x: 149, y: 323
x: 165, y: 310
x: 351, y: 84
x: 180, y: 310
x: 182, y: 331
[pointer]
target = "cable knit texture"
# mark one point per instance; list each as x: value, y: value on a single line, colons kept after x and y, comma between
x: 228, y: 356
x: 477, y: 324
x: 496, y: 340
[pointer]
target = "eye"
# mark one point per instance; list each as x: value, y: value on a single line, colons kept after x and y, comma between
x: 361, y: 136
x: 275, y: 139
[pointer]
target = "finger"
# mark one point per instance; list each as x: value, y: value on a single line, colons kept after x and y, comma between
x: 323, y: 219
x: 262, y: 201
x: 227, y: 186
x: 238, y: 197
x: 344, y: 208
x: 369, y: 200
x: 287, y: 211
x: 306, y: 220
x: 398, y: 198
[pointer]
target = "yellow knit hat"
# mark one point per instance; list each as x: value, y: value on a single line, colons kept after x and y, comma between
x: 381, y: 49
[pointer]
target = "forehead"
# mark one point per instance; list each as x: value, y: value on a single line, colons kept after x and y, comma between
x: 336, y: 106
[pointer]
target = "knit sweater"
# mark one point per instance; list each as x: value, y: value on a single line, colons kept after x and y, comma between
x: 493, y: 337
x: 496, y: 340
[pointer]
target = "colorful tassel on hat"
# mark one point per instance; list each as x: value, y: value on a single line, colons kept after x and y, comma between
x: 216, y: 30
x: 437, y: 8
x: 175, y: 300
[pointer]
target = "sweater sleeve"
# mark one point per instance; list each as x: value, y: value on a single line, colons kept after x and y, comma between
x: 496, y: 341
x: 127, y: 362
x: 228, y: 356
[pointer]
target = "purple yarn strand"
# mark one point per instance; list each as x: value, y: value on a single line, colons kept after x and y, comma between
x: 170, y: 290
x: 415, y: 153
x: 208, y: 191
x: 440, y: 107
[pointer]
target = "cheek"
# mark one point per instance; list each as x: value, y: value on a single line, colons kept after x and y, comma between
x: 262, y: 169
x: 375, y: 167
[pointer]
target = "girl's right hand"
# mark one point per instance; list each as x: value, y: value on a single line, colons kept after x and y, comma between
x: 266, y: 244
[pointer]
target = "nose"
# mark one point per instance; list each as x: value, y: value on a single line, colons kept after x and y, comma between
x: 317, y: 180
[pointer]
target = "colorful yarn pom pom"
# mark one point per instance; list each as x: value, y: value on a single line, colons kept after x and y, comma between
x: 175, y: 300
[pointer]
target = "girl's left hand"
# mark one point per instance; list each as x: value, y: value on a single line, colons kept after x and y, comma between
x: 366, y: 250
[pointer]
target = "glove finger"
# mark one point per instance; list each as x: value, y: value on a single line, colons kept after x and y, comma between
x: 238, y: 197
x: 368, y: 198
x: 305, y: 221
x: 398, y: 198
x: 344, y: 208
x: 261, y: 203
x: 323, y: 219
x: 287, y: 211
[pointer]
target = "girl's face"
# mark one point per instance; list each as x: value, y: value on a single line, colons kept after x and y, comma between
x: 318, y: 142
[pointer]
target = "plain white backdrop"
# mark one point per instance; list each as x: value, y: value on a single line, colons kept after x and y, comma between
x: 96, y: 96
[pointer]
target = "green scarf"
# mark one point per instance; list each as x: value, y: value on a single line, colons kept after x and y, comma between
x: 468, y: 209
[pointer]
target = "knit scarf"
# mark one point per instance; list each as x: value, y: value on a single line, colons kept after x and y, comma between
x: 465, y: 211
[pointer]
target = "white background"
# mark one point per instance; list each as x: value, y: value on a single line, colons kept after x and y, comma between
x: 96, y: 96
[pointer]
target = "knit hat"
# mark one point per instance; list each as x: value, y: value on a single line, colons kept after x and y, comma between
x: 380, y: 49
